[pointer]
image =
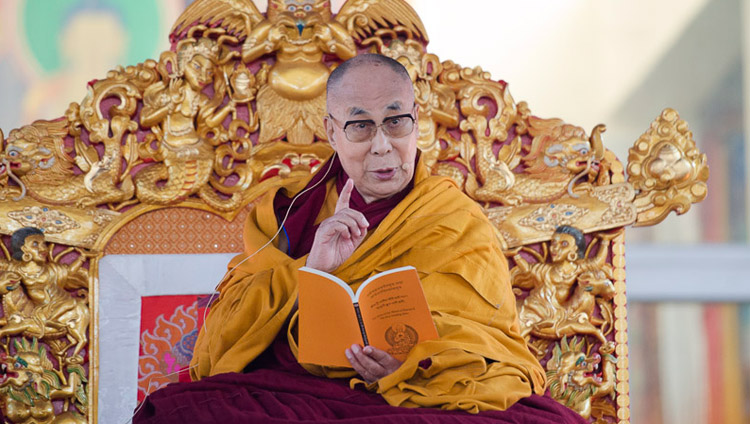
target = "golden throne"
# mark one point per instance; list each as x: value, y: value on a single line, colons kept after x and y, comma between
x: 234, y: 107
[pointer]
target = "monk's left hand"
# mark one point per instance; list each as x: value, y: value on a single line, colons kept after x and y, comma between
x: 371, y: 363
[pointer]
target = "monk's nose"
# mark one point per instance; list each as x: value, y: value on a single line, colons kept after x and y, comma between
x: 380, y: 144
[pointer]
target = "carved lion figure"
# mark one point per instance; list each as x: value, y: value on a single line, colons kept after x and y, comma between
x: 577, y: 379
x: 559, y: 155
x: 36, y: 158
x: 30, y: 383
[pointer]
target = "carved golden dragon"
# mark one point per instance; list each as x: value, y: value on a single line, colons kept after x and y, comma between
x: 560, y: 155
x: 577, y: 380
x: 30, y: 383
x: 36, y: 158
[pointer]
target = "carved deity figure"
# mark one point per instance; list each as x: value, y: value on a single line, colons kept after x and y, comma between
x: 301, y: 32
x: 563, y: 293
x: 43, y: 308
x: 180, y: 116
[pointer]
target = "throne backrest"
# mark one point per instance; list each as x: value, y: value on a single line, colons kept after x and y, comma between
x: 235, y: 106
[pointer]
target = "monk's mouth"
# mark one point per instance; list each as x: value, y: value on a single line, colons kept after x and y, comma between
x: 385, y: 173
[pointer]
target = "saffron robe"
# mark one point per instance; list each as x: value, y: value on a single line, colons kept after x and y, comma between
x: 480, y: 362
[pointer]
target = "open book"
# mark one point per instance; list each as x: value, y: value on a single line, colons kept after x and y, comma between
x: 389, y: 311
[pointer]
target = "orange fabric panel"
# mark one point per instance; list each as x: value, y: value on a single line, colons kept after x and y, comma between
x: 178, y: 230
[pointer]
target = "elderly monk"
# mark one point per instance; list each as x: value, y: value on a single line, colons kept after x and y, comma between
x: 372, y: 207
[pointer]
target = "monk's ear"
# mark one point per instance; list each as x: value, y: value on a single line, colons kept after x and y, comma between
x: 328, y: 124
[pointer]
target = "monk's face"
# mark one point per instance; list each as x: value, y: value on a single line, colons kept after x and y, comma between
x: 382, y: 165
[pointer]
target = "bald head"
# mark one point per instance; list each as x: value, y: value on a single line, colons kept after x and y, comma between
x: 375, y: 92
x: 370, y: 63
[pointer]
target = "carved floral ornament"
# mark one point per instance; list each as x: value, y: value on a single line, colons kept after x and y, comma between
x: 667, y: 169
x: 236, y: 105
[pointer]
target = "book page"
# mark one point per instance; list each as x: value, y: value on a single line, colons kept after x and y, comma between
x: 395, y: 312
x: 327, y: 322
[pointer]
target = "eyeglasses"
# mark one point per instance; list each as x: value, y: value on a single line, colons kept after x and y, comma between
x: 364, y: 130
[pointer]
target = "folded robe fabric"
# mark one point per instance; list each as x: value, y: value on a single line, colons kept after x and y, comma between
x: 480, y: 362
x: 278, y: 390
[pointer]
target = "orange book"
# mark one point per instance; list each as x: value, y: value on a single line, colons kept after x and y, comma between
x: 388, y: 311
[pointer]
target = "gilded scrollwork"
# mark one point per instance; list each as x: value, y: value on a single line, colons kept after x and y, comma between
x: 667, y: 169
x: 436, y: 100
x: 564, y: 293
x: 548, y: 217
x: 596, y: 208
x: 481, y: 145
x: 50, y: 221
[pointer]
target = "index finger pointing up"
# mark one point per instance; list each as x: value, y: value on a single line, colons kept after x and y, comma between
x: 346, y: 194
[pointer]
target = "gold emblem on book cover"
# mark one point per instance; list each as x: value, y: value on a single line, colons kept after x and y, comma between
x: 402, y: 337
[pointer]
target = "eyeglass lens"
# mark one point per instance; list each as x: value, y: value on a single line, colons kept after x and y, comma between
x: 395, y: 127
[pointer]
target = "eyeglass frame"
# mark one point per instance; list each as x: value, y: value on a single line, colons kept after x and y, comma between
x: 377, y: 126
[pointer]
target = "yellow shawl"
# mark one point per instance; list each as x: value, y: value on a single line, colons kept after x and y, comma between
x: 480, y: 362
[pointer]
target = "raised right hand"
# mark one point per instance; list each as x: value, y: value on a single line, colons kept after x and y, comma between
x: 339, y: 235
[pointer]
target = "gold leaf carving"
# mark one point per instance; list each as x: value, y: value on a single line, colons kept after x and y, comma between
x: 48, y: 220
x: 666, y: 169
x: 549, y: 217
x: 594, y: 209
x: 570, y: 374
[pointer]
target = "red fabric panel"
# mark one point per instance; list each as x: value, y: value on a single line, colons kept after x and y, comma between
x: 169, y: 328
